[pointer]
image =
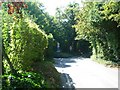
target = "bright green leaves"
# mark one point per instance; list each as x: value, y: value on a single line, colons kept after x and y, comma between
x: 26, y: 46
x: 24, y: 42
x: 99, y: 23
x: 112, y: 11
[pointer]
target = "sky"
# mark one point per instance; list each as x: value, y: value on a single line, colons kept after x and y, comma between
x: 51, y: 5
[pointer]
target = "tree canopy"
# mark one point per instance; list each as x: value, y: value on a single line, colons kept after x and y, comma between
x: 99, y: 23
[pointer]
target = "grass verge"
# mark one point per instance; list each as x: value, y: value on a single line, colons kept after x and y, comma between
x: 110, y: 64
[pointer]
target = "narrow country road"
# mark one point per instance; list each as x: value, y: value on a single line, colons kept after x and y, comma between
x: 85, y: 73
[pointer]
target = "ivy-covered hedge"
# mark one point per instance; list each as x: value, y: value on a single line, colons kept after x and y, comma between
x: 24, y: 42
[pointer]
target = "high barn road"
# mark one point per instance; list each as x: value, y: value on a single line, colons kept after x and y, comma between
x: 84, y: 73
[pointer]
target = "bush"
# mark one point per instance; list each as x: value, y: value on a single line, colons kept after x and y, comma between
x: 24, y: 42
x: 24, y: 80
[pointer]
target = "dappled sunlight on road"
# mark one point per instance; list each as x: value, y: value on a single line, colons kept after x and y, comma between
x: 85, y: 73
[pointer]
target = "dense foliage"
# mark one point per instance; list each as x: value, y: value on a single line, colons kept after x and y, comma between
x: 24, y: 42
x: 23, y: 80
x: 99, y: 24
x: 30, y: 37
x: 46, y: 23
x: 60, y: 26
x: 65, y: 33
x: 24, y: 46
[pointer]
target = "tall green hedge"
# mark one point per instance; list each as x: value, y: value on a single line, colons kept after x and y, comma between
x: 24, y: 42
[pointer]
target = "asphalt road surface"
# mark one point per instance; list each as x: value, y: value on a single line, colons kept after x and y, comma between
x: 85, y: 73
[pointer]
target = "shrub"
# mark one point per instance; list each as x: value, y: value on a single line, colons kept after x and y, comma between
x: 24, y: 42
x: 24, y: 80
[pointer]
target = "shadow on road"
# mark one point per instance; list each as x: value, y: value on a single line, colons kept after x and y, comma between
x: 59, y: 62
x: 63, y: 62
x: 66, y: 82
